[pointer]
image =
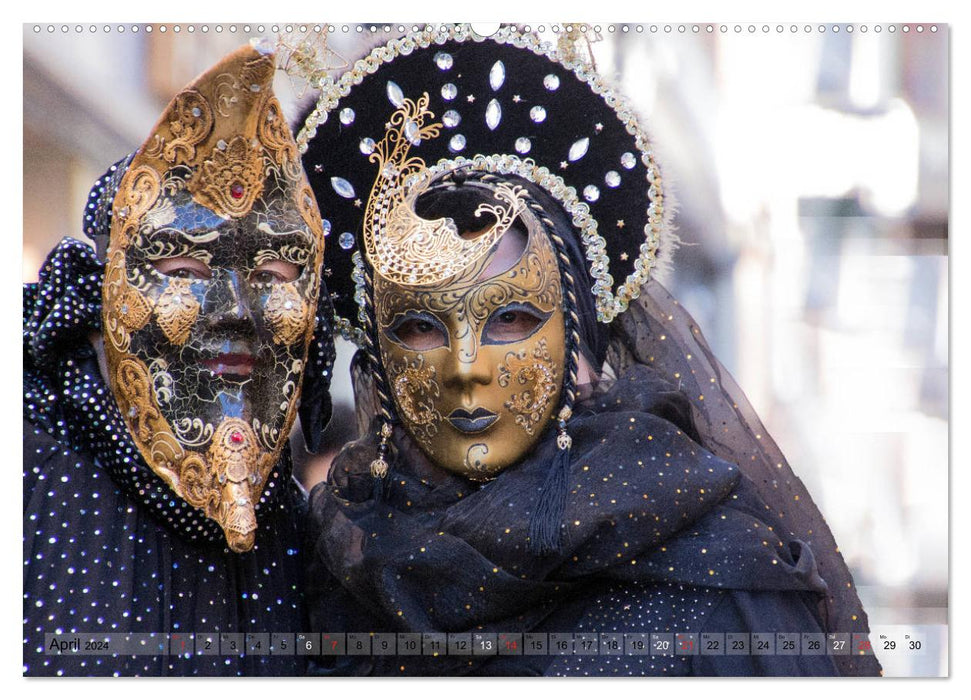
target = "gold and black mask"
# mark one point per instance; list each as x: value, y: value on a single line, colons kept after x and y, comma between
x: 211, y: 289
x: 475, y: 362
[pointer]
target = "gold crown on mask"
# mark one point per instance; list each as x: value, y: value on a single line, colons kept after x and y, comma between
x: 225, y: 141
x: 403, y: 247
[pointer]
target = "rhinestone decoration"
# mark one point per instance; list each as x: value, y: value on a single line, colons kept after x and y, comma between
x: 411, y: 133
x: 325, y: 224
x: 367, y: 145
x: 456, y: 143
x: 591, y: 193
x: 395, y: 96
x: 346, y: 240
x: 347, y: 116
x: 497, y: 75
x: 523, y: 144
x: 579, y: 149
x: 610, y: 300
x: 342, y: 187
x: 493, y: 114
x: 443, y: 60
x: 451, y: 119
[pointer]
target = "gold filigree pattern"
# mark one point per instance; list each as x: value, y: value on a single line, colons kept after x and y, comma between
x: 177, y: 310
x: 231, y: 179
x: 139, y: 190
x: 416, y: 388
x: 286, y: 313
x: 133, y: 308
x: 273, y: 131
x: 400, y: 245
x: 310, y: 212
x: 115, y: 328
x: 137, y: 402
x: 190, y: 125
x: 537, y: 375
x: 411, y: 387
x: 240, y: 469
x: 198, y: 483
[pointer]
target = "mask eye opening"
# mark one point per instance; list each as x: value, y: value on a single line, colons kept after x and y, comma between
x: 417, y: 331
x: 513, y: 323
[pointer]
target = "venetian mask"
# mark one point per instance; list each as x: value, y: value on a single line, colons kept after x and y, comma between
x: 475, y: 361
x: 210, y: 291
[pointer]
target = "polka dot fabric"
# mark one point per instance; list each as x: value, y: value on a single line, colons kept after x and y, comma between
x: 107, y: 546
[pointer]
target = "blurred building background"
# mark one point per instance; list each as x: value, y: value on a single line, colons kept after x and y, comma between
x: 811, y: 169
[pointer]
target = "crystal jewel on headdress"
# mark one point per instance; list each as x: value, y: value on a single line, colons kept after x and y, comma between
x: 493, y: 114
x: 591, y: 193
x: 395, y: 96
x: 347, y: 240
x: 411, y: 133
x: 579, y: 149
x: 523, y: 144
x: 443, y: 60
x: 325, y: 225
x: 497, y: 75
x: 612, y: 179
x: 451, y: 118
x: 609, y: 303
x: 347, y: 116
x: 342, y: 187
x: 456, y: 143
x: 367, y: 146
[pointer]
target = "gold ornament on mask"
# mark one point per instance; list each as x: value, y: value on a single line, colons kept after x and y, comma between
x: 224, y: 141
x: 403, y: 247
x: 189, y: 126
x: 537, y: 376
x: 231, y: 179
x: 415, y: 390
x: 286, y: 312
x: 130, y: 309
x: 177, y: 310
x: 484, y: 406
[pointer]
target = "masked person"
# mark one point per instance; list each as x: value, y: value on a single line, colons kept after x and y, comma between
x: 554, y: 447
x: 157, y: 486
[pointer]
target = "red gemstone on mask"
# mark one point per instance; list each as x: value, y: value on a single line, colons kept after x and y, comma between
x: 236, y: 191
x: 236, y: 437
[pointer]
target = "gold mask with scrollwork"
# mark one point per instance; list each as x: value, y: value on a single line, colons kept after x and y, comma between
x: 475, y: 361
x: 210, y: 291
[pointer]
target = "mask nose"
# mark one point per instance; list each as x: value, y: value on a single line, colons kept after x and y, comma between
x: 228, y: 297
x: 466, y: 366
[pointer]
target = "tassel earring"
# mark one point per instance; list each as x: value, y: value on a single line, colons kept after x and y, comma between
x: 545, y: 531
x: 379, y: 467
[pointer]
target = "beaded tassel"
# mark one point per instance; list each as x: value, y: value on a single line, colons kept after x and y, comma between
x: 379, y: 467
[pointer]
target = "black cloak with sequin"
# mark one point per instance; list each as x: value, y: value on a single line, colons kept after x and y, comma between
x: 108, y: 546
x: 681, y: 517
